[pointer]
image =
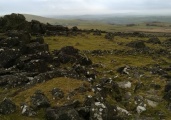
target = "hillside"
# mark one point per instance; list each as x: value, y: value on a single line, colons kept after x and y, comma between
x: 58, y: 73
x: 120, y: 18
x: 58, y: 21
x: 110, y: 23
x: 45, y: 20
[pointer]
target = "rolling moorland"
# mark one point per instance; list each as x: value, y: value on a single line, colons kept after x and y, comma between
x: 84, y: 70
x: 110, y: 23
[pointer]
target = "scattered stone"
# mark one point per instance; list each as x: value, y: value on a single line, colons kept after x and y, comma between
x: 98, y: 111
x: 13, y: 81
x: 57, y: 93
x: 85, y: 61
x: 36, y: 47
x: 97, y: 32
x: 139, y: 44
x: 167, y: 43
x: 26, y: 61
x: 39, y: 100
x: 84, y: 112
x: 123, y: 111
x: 127, y: 96
x: 124, y: 84
x: 8, y: 57
x: 7, y: 107
x: 138, y: 100
x: 74, y: 28
x: 39, y: 40
x: 154, y: 40
x: 167, y: 87
x: 72, y: 104
x: 109, y: 36
x: 27, y: 111
x: 62, y: 113
x: 141, y: 109
x: 69, y: 50
x: 123, y: 70
x: 138, y: 86
x: 37, y: 27
x: 152, y: 103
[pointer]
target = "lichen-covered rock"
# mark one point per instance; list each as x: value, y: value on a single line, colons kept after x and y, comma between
x: 9, y: 56
x: 57, y: 93
x: 13, y: 81
x: 124, y: 84
x: 65, y: 58
x: 123, y: 70
x: 7, y: 106
x: 69, y: 50
x: 98, y: 111
x: 35, y: 47
x: 27, y: 111
x: 84, y: 61
x: 39, y: 100
x: 39, y: 40
x: 62, y: 113
x: 37, y: 27
x: 10, y: 42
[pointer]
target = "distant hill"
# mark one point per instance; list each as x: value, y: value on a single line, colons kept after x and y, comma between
x: 69, y: 22
x: 30, y: 17
x: 120, y: 19
x: 110, y: 23
x: 59, y: 21
x: 98, y: 19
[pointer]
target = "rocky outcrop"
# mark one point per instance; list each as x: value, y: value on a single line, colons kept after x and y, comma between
x: 154, y: 40
x: 122, y: 93
x: 97, y: 32
x: 137, y: 44
x: 7, y: 107
x: 13, y: 21
x: 62, y: 113
x: 57, y: 93
x: 26, y: 110
x: 109, y: 36
x: 18, y: 22
x: 39, y: 100
x: 28, y: 61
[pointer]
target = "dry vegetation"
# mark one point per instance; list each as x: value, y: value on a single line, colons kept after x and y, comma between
x: 110, y: 62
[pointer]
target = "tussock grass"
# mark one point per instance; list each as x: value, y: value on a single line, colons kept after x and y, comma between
x: 65, y: 84
x: 85, y: 42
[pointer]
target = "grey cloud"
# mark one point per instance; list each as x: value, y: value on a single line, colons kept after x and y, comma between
x: 45, y: 7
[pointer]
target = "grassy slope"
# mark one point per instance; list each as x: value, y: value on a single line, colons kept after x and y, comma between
x: 65, y: 84
x: 91, y: 42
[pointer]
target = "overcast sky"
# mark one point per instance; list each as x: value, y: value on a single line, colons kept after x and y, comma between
x: 82, y: 7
